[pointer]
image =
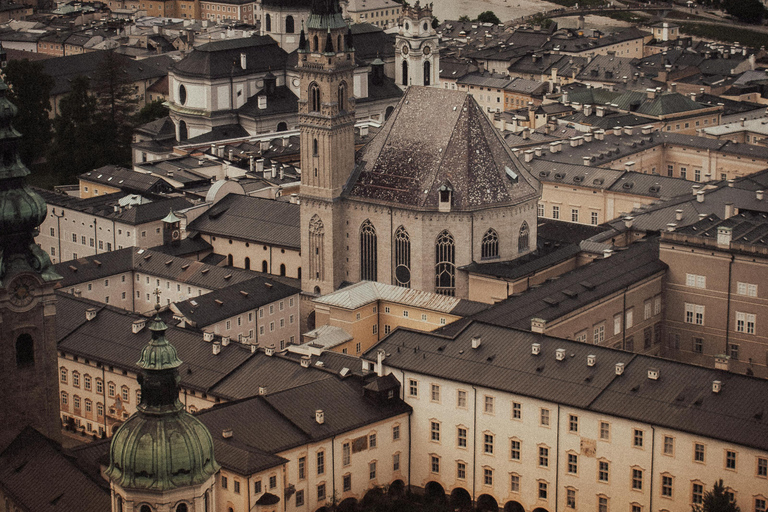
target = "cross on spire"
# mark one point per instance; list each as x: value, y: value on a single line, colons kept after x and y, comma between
x: 157, y: 293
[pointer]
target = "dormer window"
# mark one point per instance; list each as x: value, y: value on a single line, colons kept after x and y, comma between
x: 446, y: 197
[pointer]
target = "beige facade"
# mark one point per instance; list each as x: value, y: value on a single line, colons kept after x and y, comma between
x: 250, y: 255
x: 382, y: 13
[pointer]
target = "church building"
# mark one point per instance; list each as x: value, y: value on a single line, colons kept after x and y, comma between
x: 436, y: 189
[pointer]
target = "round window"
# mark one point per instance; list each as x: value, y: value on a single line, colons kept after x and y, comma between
x: 182, y: 94
x: 407, y: 26
x: 425, y: 27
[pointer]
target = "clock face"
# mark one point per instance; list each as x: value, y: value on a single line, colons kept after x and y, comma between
x: 427, y: 50
x: 20, y: 291
x: 175, y: 234
x: 405, y: 49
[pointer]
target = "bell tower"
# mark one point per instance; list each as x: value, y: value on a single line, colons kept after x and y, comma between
x: 417, y: 56
x: 327, y: 123
x: 29, y: 386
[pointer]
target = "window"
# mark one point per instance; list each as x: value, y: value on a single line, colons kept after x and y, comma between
x: 570, y: 498
x: 237, y: 487
x: 372, y: 470
x: 125, y: 393
x: 762, y: 467
x: 461, y: 470
x: 745, y: 322
x: 413, y: 388
x: 514, y: 483
x: 666, y: 486
x: 488, y: 444
x: 669, y: 445
x: 593, y: 218
x: 224, y: 482
x: 695, y: 281
x: 368, y: 252
x: 434, y: 464
x: 302, y: 466
x: 461, y: 437
x: 461, y: 399
x: 445, y: 269
x: 694, y: 314
x: 396, y: 462
x: 488, y: 405
x: 321, y: 492
x: 347, y: 482
x: 490, y: 245
x: 76, y: 379
x: 396, y: 432
x: 602, y: 504
x: 543, y: 456
x: 573, y: 423
x: 698, y: 452
x: 540, y: 210
x: 574, y: 215
x: 63, y: 375
x: 637, y: 479
x: 697, y: 493
x: 637, y: 438
x: 345, y: 454
x: 544, y: 418
x: 605, y: 431
x: 487, y: 476
x: 760, y: 505
x: 603, y: 470
x: 598, y: 334
x: 372, y: 441
x: 543, y: 490
x: 730, y: 459
x: 747, y: 289
x: 402, y: 258
x: 272, y: 482
x: 555, y: 212
x: 573, y: 463
x: 434, y: 429
x: 435, y: 392
x: 698, y: 345
x: 316, y: 240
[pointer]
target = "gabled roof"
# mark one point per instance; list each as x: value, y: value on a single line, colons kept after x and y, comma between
x: 126, y: 179
x: 407, y: 165
x: 221, y: 59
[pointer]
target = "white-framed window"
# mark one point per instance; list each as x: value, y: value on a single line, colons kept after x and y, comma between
x: 515, y: 447
x: 616, y: 324
x: 745, y: 322
x: 695, y: 281
x: 750, y: 290
x: 593, y: 218
x: 435, y: 392
x: 598, y: 333
x: 630, y: 318
x: 555, y: 212
x: 694, y: 314
x: 461, y: 399
x: 544, y: 417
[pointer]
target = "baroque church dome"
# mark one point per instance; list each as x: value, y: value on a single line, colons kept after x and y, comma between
x: 161, y: 447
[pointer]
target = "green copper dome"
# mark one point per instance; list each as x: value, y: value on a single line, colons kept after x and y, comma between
x: 162, y: 446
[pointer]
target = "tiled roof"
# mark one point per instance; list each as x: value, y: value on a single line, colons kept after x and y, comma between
x: 328, y: 336
x: 529, y: 264
x: 126, y: 179
x: 407, y: 166
x: 215, y: 60
x: 252, y: 218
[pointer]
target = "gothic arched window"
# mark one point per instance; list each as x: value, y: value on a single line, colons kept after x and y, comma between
x: 247, y: 264
x: 314, y: 147
x: 25, y: 350
x: 445, y: 264
x: 405, y: 72
x: 181, y: 507
x: 427, y: 72
x: 316, y: 238
x: 183, y: 134
x: 314, y: 97
x: 289, y: 27
x: 264, y: 266
x: 282, y: 269
x: 342, y: 96
x: 490, y: 248
x: 338, y: 43
x: 368, y: 252
x: 268, y: 23
x: 314, y: 44
x: 522, y: 240
x: 402, y: 258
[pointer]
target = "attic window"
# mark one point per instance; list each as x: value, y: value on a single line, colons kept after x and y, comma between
x: 205, y: 271
x: 218, y: 302
x: 243, y: 293
x: 185, y: 266
x: 169, y: 262
x: 228, y: 276
x: 446, y: 196
x: 511, y: 174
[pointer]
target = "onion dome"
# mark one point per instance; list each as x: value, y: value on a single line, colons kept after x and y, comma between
x: 325, y: 14
x: 22, y: 209
x: 161, y: 447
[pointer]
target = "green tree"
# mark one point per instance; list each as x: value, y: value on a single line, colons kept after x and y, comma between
x: 116, y: 105
x: 151, y: 112
x: 748, y: 11
x: 717, y: 500
x: 464, y: 17
x: 30, y: 91
x: 488, y: 17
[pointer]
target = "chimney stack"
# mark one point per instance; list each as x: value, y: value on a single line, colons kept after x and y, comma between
x: 591, y: 360
x: 216, y: 347
x: 319, y: 416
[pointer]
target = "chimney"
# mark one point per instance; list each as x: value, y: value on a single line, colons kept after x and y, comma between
x: 90, y: 314
x: 380, y: 362
x: 716, y: 386
x: 538, y: 151
x: 759, y: 195
x: 270, y: 350
x: 242, y: 61
x: 138, y: 325
x: 528, y: 155
x: 651, y: 92
x: 722, y: 362
x: 653, y: 373
x: 647, y: 129
x: 742, y: 121
x: 476, y: 340
x: 671, y: 227
x: 731, y: 182
x: 628, y: 130
x: 538, y: 325
x: 619, y: 368
x: 254, y: 347
x: 574, y: 142
x: 305, y: 360
x: 724, y: 236
x: 224, y: 341
x: 695, y: 189
x: 728, y: 210
x: 319, y: 416
x: 216, y: 347
x: 262, y: 390
x: 617, y: 130
x: 560, y: 354
x: 588, y: 137
x: 555, y: 147
x: 262, y: 102
x: 591, y: 360
x: 700, y: 196
x: 629, y: 166
x: 607, y: 253
x: 536, y: 349
x: 586, y: 159
x: 526, y: 133
x: 628, y: 220
x: 208, y: 336
x: 364, y: 130
x: 673, y: 87
x: 600, y: 135
x: 227, y: 433
x: 600, y: 111
x: 678, y: 215
x: 294, y: 198
x: 587, y: 110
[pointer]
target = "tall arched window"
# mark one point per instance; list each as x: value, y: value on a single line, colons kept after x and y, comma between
x: 368, y: 252
x: 316, y: 239
x: 445, y: 264
x: 119, y: 503
x: 282, y: 269
x: 182, y: 131
x: 427, y: 72
x: 338, y: 43
x: 206, y: 502
x: 25, y: 350
x: 289, y: 28
x: 522, y: 240
x: 264, y: 266
x: 402, y: 258
x: 342, y: 96
x: 282, y: 126
x: 247, y: 264
x: 230, y: 260
x: 490, y: 248
x: 268, y: 23
x: 405, y: 72
x: 181, y: 507
x: 314, y: 97
x: 314, y: 44
x: 146, y: 508
x: 314, y: 147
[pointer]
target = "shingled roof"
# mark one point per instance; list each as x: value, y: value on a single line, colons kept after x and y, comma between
x: 221, y: 59
x: 406, y: 164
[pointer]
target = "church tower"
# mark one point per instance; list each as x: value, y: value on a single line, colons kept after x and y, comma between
x: 417, y: 55
x: 327, y: 124
x: 29, y: 387
x: 161, y: 459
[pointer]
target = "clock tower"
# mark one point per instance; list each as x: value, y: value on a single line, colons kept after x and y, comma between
x: 417, y: 56
x: 29, y: 390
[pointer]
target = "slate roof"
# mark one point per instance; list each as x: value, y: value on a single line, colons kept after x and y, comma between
x: 252, y: 218
x: 221, y: 59
x: 371, y: 42
x: 406, y: 165
x: 575, y: 289
x: 126, y: 179
x: 38, y: 475
x: 217, y: 305
x: 749, y: 232
x: 282, y: 101
x: 680, y: 399
x: 290, y: 417
x: 527, y: 265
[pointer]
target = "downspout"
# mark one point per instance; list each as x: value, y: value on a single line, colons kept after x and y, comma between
x: 104, y: 397
x: 409, y: 432
x: 728, y: 307
x: 472, y: 241
x: 624, y: 321
x: 474, y: 446
x: 557, y: 460
x: 114, y: 236
x: 653, y: 453
x: 333, y: 468
x: 392, y: 251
